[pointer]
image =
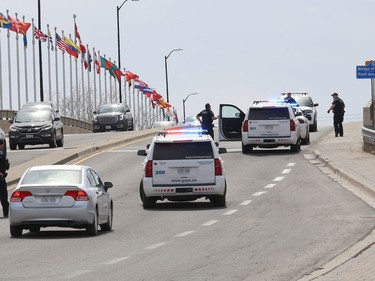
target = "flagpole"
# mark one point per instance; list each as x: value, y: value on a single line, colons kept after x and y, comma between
x: 25, y: 59
x: 76, y: 65
x: 138, y: 110
x: 64, y: 81
x: 114, y: 82
x: 34, y: 71
x: 100, y: 82
x: 94, y: 78
x: 88, y: 86
x: 1, y: 80
x: 18, y: 69
x: 110, y: 86
x: 135, y: 119
x: 9, y: 69
x: 40, y: 56
x: 83, y: 92
x: 105, y: 86
x: 49, y: 70
x: 125, y: 99
x: 57, y: 71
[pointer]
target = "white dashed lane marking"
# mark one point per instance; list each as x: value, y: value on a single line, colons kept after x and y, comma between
x: 259, y: 193
x: 246, y: 202
x: 209, y: 223
x: 182, y: 234
x: 291, y: 164
x: 154, y: 246
x: 116, y: 260
x: 286, y: 171
x: 230, y: 212
x: 76, y: 274
x: 278, y: 179
x: 271, y: 185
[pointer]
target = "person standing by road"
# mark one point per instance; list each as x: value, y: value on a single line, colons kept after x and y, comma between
x: 206, y: 118
x: 338, y: 109
x: 4, y: 166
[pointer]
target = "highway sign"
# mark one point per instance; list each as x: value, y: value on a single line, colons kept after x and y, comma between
x: 366, y: 71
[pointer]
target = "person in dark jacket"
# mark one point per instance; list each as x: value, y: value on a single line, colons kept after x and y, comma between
x: 338, y: 109
x: 206, y: 118
x: 4, y: 167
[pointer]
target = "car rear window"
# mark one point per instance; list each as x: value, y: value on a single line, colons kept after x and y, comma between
x: 189, y: 150
x: 52, y: 177
x: 268, y: 113
x: 304, y: 101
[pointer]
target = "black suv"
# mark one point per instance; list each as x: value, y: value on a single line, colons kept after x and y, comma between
x: 112, y: 117
x: 36, y: 126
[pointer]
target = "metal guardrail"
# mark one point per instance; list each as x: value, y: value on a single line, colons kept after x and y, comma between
x: 6, y: 114
x: 368, y: 139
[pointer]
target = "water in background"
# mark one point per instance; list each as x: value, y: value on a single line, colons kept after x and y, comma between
x: 328, y: 120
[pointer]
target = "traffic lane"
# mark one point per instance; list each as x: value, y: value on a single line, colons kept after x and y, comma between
x: 281, y: 229
x: 206, y: 234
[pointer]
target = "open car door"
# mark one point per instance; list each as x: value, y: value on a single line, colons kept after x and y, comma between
x: 230, y: 122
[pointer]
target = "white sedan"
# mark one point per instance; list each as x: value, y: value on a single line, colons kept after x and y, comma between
x: 63, y: 196
x: 304, y: 124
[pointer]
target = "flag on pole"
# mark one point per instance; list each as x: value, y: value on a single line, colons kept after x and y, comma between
x: 97, y: 64
x: 50, y: 43
x: 38, y: 34
x: 78, y: 36
x: 88, y: 61
x: 5, y: 22
x: 18, y: 26
x: 61, y: 43
x: 111, y: 67
x: 72, y: 49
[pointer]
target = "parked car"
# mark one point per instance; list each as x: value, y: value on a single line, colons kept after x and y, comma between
x: 33, y: 126
x: 191, y: 121
x: 308, y: 108
x: 61, y: 196
x: 266, y: 125
x: 112, y: 117
x: 304, y: 123
x: 164, y: 124
x: 182, y: 166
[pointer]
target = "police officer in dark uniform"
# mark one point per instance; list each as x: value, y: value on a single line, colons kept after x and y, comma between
x: 4, y: 167
x: 338, y: 109
x: 206, y: 118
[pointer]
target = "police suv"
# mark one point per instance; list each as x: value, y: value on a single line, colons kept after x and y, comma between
x: 267, y: 124
x: 182, y: 165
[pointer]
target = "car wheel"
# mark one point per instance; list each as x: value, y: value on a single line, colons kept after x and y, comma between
x: 15, y: 231
x: 60, y: 143
x: 219, y: 200
x: 314, y: 127
x: 53, y: 143
x: 21, y: 146
x: 34, y: 229
x: 148, y: 202
x: 108, y: 225
x: 306, y: 140
x: 246, y: 148
x: 131, y: 127
x: 92, y: 229
x: 296, y: 147
x: 12, y: 146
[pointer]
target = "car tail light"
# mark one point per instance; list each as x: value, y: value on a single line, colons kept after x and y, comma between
x: 218, y: 168
x: 78, y: 195
x: 18, y: 196
x: 292, y: 125
x: 148, y: 172
x: 245, y: 126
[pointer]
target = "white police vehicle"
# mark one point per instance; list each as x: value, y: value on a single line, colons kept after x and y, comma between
x: 182, y: 165
x: 267, y: 124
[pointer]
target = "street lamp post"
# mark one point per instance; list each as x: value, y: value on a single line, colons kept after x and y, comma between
x: 118, y: 43
x: 184, y: 100
x: 166, y: 71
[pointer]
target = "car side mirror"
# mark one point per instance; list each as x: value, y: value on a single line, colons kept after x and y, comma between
x: 107, y: 185
x: 94, y: 112
x: 148, y: 146
x: 56, y: 119
x: 142, y: 152
x: 222, y: 150
x: 298, y: 113
x: 316, y: 104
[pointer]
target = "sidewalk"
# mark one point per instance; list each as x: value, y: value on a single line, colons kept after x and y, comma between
x: 345, y: 157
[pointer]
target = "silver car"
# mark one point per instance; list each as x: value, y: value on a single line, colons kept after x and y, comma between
x: 63, y: 196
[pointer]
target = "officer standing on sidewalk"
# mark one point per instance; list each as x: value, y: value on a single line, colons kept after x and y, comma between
x: 4, y: 167
x: 338, y: 109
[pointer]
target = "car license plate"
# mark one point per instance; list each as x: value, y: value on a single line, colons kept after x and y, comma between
x: 268, y: 127
x: 108, y: 127
x: 183, y: 171
x: 29, y: 136
x: 48, y: 200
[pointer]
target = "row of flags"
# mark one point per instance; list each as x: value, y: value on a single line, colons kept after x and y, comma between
x: 65, y: 44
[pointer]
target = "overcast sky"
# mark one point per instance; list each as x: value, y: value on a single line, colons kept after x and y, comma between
x: 233, y: 51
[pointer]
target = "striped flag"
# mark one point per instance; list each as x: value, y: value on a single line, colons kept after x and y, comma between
x: 61, y: 43
x: 38, y: 34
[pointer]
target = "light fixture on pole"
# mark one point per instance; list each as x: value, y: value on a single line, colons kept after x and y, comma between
x: 166, y: 71
x: 118, y: 44
x: 184, y: 100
